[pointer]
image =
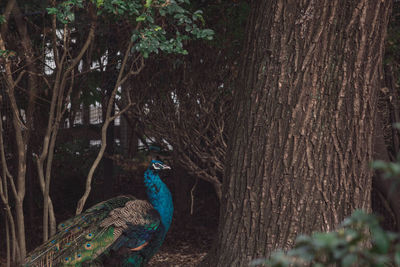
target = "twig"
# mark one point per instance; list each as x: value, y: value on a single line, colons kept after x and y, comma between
x: 192, y: 196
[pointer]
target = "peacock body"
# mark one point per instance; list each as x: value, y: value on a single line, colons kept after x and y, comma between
x: 122, y: 231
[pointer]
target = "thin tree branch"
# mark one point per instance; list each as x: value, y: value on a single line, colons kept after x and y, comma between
x: 108, y: 119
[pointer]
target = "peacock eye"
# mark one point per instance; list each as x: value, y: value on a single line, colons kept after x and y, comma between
x: 56, y: 247
x: 89, y: 236
x: 88, y: 246
x: 66, y: 259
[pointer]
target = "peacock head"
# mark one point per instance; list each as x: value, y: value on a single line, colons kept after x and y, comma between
x: 155, y: 171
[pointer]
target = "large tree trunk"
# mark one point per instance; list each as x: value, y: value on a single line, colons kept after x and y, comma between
x: 301, y: 143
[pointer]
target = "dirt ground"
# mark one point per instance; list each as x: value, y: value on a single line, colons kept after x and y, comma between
x: 183, y: 247
x: 181, y: 254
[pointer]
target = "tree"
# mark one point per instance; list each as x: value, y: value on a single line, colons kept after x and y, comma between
x: 303, y: 118
x: 43, y: 59
x: 193, y: 102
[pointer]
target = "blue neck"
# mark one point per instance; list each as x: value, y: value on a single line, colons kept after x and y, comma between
x: 159, y: 196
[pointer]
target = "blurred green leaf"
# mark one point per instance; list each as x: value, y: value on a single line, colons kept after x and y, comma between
x: 99, y: 3
x: 397, y: 256
x: 324, y: 240
x: 396, y: 125
x: 140, y: 18
x: 148, y: 3
x: 349, y: 260
x: 380, y: 239
x: 52, y: 10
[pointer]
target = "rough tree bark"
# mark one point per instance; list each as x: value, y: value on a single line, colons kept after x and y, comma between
x: 301, y: 143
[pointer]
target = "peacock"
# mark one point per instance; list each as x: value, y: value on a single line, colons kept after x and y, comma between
x: 122, y: 231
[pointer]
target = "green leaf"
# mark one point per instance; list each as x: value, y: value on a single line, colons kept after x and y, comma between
x: 325, y: 240
x: 70, y: 17
x: 150, y: 19
x: 162, y: 12
x: 379, y: 165
x: 2, y: 19
x: 392, y: 236
x: 52, y: 10
x: 148, y: 3
x: 198, y: 15
x: 140, y: 18
x: 338, y: 253
x: 99, y: 3
x: 394, y: 167
x: 303, y: 252
x: 396, y: 125
x: 349, y: 260
x: 352, y: 236
x: 380, y: 239
x: 134, y: 36
x: 198, y: 12
x: 208, y: 32
x: 397, y: 257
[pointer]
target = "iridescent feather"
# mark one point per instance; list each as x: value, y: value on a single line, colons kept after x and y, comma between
x: 122, y: 231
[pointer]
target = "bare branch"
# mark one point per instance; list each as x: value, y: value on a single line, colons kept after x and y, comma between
x: 108, y: 119
x: 6, y: 172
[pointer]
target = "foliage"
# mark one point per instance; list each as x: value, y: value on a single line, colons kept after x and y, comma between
x: 2, y: 19
x: 345, y: 247
x: 160, y: 25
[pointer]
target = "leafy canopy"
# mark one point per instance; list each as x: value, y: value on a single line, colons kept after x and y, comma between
x: 158, y: 25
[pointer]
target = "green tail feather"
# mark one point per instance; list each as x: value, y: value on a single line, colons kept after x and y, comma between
x: 68, y: 246
x: 106, y: 231
x: 96, y: 244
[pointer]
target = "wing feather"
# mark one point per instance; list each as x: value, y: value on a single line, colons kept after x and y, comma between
x: 119, y: 222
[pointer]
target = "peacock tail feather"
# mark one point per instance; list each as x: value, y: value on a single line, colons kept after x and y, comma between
x: 80, y: 237
x: 122, y: 231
